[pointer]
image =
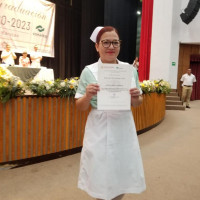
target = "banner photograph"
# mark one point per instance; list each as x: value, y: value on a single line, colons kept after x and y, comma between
x: 24, y: 24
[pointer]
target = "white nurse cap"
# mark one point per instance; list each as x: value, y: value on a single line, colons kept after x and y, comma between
x: 93, y: 37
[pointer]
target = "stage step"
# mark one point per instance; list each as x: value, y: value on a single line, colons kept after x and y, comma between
x: 175, y: 107
x: 173, y: 98
x: 172, y: 94
x: 173, y: 101
x: 173, y: 90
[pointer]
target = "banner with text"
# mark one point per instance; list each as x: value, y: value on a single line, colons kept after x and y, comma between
x: 25, y: 23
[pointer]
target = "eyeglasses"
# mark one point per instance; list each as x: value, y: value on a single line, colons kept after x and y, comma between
x: 107, y: 43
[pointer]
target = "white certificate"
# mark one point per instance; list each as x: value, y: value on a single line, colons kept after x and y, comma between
x: 115, y: 82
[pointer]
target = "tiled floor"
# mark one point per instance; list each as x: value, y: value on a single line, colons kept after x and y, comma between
x: 171, y: 160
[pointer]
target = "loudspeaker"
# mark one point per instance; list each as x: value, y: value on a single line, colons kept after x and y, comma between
x: 191, y: 11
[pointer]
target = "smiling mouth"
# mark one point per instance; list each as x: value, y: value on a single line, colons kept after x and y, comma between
x: 110, y: 52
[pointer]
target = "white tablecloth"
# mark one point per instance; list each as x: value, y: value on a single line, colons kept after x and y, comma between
x: 45, y: 74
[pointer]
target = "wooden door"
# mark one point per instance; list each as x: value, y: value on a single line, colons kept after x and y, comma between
x: 185, y: 50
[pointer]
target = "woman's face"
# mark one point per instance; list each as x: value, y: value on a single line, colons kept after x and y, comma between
x: 109, y: 54
x: 35, y: 48
x: 24, y: 55
x: 8, y: 48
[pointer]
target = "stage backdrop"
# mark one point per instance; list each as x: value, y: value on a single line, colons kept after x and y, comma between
x: 24, y: 23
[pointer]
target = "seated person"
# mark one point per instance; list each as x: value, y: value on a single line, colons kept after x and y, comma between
x: 24, y: 61
x: 8, y: 56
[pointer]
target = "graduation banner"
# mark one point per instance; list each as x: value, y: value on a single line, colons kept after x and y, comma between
x: 25, y: 23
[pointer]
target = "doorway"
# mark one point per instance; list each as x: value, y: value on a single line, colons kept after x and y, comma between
x: 185, y: 52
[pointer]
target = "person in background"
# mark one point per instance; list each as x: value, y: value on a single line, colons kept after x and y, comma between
x: 24, y: 61
x: 188, y: 79
x: 111, y: 163
x: 136, y: 63
x: 36, y: 57
x: 8, y: 57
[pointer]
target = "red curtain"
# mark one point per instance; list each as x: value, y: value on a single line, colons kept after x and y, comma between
x: 195, y: 67
x: 145, y: 39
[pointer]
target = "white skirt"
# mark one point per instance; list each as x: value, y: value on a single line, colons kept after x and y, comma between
x: 111, y: 162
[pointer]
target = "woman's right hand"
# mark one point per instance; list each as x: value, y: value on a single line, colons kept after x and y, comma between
x: 92, y: 90
x: 83, y: 103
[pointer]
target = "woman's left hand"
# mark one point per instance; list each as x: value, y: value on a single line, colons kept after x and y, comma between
x: 134, y: 92
x: 136, y: 98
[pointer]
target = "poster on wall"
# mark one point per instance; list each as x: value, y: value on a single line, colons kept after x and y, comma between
x: 26, y: 23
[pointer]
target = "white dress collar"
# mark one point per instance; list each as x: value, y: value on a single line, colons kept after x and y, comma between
x: 94, y: 68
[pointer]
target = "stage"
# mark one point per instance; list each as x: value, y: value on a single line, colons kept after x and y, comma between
x: 35, y: 126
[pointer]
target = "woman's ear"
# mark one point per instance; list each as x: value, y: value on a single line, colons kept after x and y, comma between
x: 97, y: 47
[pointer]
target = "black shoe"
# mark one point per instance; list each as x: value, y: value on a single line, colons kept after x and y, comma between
x: 187, y: 106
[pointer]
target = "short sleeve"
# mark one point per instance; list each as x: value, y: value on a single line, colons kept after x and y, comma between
x: 85, y: 79
x: 82, y: 85
x: 40, y: 55
x: 135, y: 80
x: 181, y: 78
x: 20, y: 60
x: 14, y: 53
x: 4, y: 53
x: 194, y: 79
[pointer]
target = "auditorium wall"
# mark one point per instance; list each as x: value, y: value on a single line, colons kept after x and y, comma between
x: 167, y: 34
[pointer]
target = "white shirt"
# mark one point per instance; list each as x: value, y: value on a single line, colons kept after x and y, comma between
x: 188, y: 79
x: 35, y: 62
x: 9, y: 60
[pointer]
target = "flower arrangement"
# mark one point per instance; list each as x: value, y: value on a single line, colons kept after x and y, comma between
x: 162, y: 86
x: 10, y: 86
x: 147, y: 86
x: 62, y: 88
x: 159, y: 86
x: 67, y: 87
x: 41, y: 88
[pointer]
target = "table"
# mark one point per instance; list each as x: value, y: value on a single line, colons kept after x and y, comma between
x: 28, y: 73
x: 45, y: 74
x: 24, y: 73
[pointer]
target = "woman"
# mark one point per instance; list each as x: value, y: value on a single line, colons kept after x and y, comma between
x: 111, y: 163
x: 136, y: 63
x: 24, y: 61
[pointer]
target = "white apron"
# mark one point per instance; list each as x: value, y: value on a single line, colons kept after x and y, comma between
x: 110, y: 160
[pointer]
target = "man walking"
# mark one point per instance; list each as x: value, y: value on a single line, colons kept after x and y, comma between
x: 188, y: 79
